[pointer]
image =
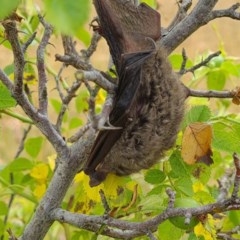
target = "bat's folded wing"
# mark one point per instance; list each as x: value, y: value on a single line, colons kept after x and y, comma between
x: 129, y: 79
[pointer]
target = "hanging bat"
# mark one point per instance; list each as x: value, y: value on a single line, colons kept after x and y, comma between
x: 149, y: 102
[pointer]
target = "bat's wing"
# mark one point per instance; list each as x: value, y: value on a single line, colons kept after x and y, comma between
x: 129, y: 81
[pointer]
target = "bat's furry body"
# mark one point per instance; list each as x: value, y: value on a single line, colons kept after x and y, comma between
x: 149, y: 101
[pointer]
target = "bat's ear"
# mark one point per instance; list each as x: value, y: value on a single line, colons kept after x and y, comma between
x: 127, y: 27
x: 150, y: 22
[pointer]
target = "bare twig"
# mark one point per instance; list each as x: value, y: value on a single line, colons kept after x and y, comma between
x: 171, y: 194
x: 237, y: 176
x: 66, y: 100
x: 204, y: 62
x: 228, y: 235
x: 230, y: 12
x: 11, y: 175
x: 92, y: 48
x: 80, y: 133
x: 210, y: 93
x: 74, y: 61
x: 19, y: 62
x: 58, y: 79
x: 104, y: 201
x: 224, y: 184
x: 69, y: 46
x: 183, y: 7
x: 98, y: 78
x: 28, y: 42
x: 42, y: 89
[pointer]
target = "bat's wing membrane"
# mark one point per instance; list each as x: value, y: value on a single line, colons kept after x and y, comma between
x: 129, y: 81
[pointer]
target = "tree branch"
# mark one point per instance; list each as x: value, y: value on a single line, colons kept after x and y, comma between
x: 210, y: 93
x: 230, y: 12
x: 19, y: 62
x: 196, y: 19
x: 41, y: 121
x: 204, y: 62
x: 68, y: 164
x: 42, y: 77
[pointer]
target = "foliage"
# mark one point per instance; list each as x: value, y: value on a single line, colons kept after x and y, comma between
x: 25, y: 178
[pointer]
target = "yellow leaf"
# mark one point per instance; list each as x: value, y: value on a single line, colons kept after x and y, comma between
x: 52, y: 161
x: 208, y: 228
x: 200, y: 230
x: 91, y: 193
x: 196, y: 143
x: 112, y: 184
x: 100, y: 98
x: 40, y: 172
x: 198, y: 187
x: 29, y: 78
x: 39, y: 190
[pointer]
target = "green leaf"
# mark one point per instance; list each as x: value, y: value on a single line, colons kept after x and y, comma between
x: 20, y: 164
x: 56, y: 105
x: 82, y: 101
x: 2, y: 228
x: 3, y: 208
x: 216, y: 79
x: 7, y: 7
x: 33, y: 146
x: 83, y: 35
x: 152, y: 203
x: 154, y: 176
x: 176, y: 61
x: 6, y: 100
x: 201, y: 172
x: 151, y: 3
x: 216, y: 62
x: 167, y: 229
x: 67, y: 16
x: 178, y: 166
x: 204, y: 197
x: 199, y: 113
x: 226, y: 137
x: 9, y: 69
x: 75, y: 123
x: 231, y: 68
x: 234, y: 217
x: 184, y: 184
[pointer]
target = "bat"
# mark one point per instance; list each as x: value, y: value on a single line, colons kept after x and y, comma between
x: 149, y: 102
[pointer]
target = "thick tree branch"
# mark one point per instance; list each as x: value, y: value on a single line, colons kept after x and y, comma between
x: 125, y: 229
x: 69, y: 163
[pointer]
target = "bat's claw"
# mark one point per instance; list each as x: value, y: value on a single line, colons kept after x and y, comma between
x: 108, y: 126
